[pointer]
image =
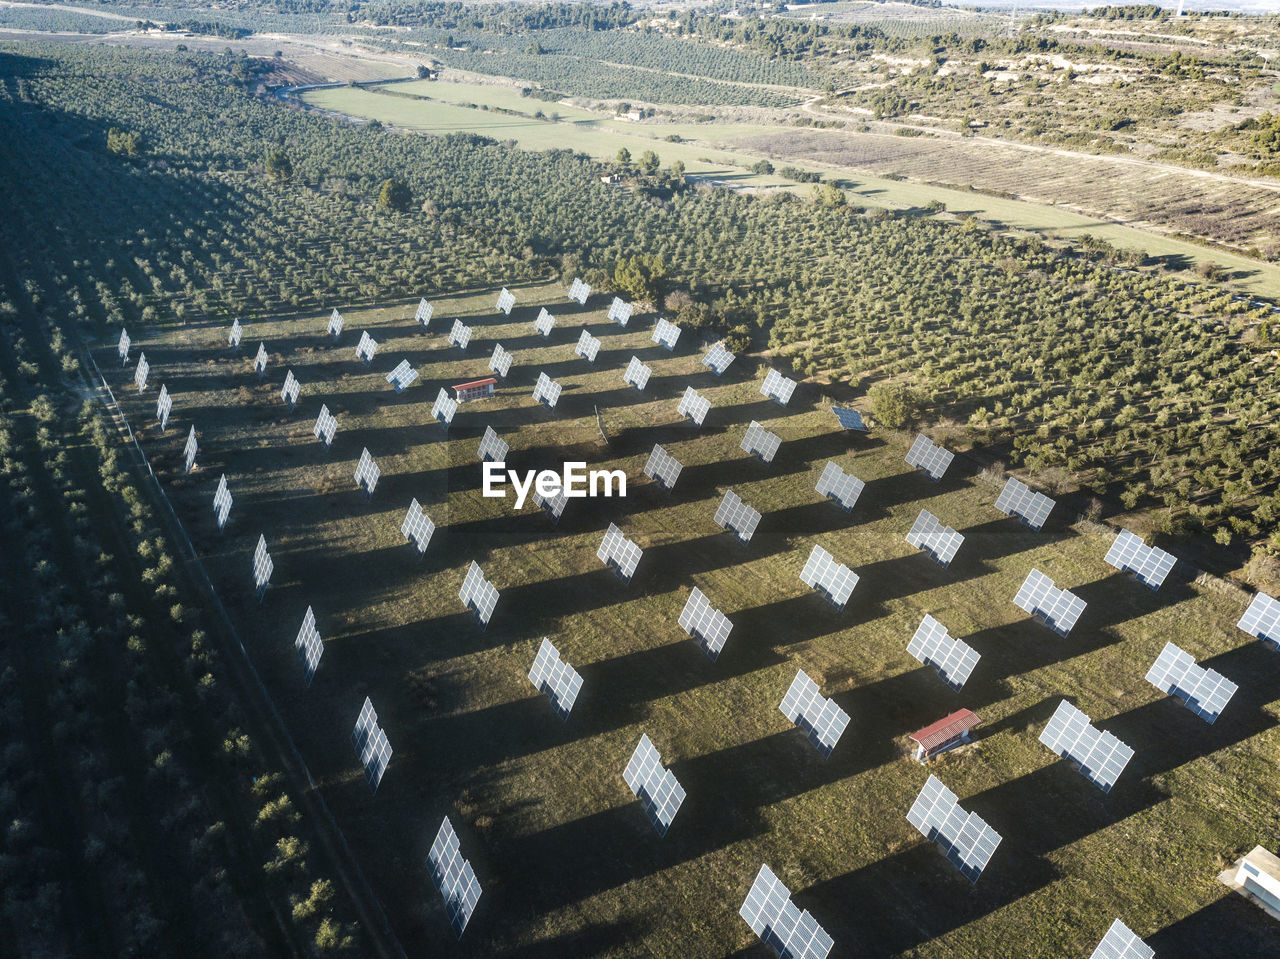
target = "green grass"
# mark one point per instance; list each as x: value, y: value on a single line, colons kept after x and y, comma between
x: 569, y: 864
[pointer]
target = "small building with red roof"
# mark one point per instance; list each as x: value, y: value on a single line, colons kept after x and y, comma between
x: 946, y: 733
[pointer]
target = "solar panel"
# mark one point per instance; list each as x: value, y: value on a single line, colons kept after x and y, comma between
x: 189, y: 451
x: 164, y: 406
x: 366, y: 347
x: 579, y: 291
x: 417, y: 527
x: 371, y: 745
x: 454, y: 878
x: 122, y: 347
x: 966, y: 840
x: 834, y: 580
x: 619, y: 553
x: 1262, y: 619
x: 719, y: 359
x: 934, y: 646
x: 444, y: 408
x: 1100, y: 756
x: 924, y: 455
x: 760, y: 442
x: 459, y: 335
x: 837, y: 485
x: 506, y: 300
x: 309, y: 645
x: 402, y: 377
x: 423, y: 315
x: 500, y: 363
x: 663, y: 468
x: 940, y: 542
x: 492, y: 447
x: 588, y: 346
x: 619, y: 311
x: 236, y: 333
x: 478, y: 593
x: 777, y: 387
x: 1121, y: 943
x: 705, y: 623
x: 335, y: 323
x: 326, y: 426
x: 637, y: 373
x: 545, y: 322
x: 666, y: 334
x: 654, y: 785
x: 546, y: 391
x: 1149, y: 564
x: 263, y: 567
x: 1205, y: 692
x: 289, y: 393
x: 788, y: 931
x: 141, y: 372
x: 553, y: 676
x: 821, y: 719
x: 367, y: 472
x: 1016, y: 499
x: 260, y: 360
x: 733, y: 514
x: 1057, y: 608
x: 222, y: 502
x: 849, y: 418
x: 554, y: 504
x: 694, y: 406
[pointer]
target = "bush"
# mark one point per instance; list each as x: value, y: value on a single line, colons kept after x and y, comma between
x: 894, y: 405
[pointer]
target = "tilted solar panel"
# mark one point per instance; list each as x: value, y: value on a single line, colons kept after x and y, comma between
x: 545, y: 322
x: 778, y: 387
x: 934, y: 646
x: 939, y: 541
x: 546, y: 391
x: 718, y: 359
x: 637, y: 374
x: 444, y: 408
x: 454, y: 878
x: 1261, y: 619
x: 834, y: 580
x: 500, y: 362
x: 478, y: 594
x: 966, y: 839
x: 619, y: 311
x: 705, y: 623
x: 822, y: 720
x: 164, y: 406
x: 1016, y: 499
x: 122, y: 347
x: 654, y: 785
x: 506, y: 300
x: 402, y: 377
x: 693, y: 406
x: 666, y: 334
x: 588, y: 346
x: 326, y: 426
x: 237, y: 332
x: 309, y: 645
x: 733, y: 514
x: 141, y: 371
x: 619, y: 553
x: 1149, y: 564
x: 1205, y: 692
x: 924, y: 455
x: 553, y: 676
x: 366, y: 347
x: 579, y: 292
x: 1100, y: 755
x: 760, y: 442
x: 788, y: 931
x: 291, y: 389
x: 835, y: 484
x: 367, y: 472
x: 189, y: 451
x: 1121, y: 943
x: 849, y: 418
x: 493, y: 449
x: 1057, y: 608
x: 424, y: 313
x: 335, y: 323
x: 417, y: 527
x: 459, y: 335
x: 663, y: 468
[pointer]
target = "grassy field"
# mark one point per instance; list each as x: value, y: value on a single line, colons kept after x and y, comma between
x: 568, y: 861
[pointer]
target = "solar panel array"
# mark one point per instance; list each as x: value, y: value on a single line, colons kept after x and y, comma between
x: 1017, y: 499
x: 1121, y: 943
x: 835, y: 484
x: 823, y: 573
x: 222, y: 502
x: 164, y: 406
x: 189, y: 451
x: 309, y: 645
x: 619, y: 311
x: 459, y: 335
x: 1150, y: 564
x: 122, y: 347
x: 366, y: 347
x: 939, y: 541
x: 402, y: 377
x: 424, y: 313
x: 588, y: 346
x: 705, y: 623
x: 666, y: 334
x: 579, y: 292
x: 260, y: 360
x: 924, y: 455
x: 654, y: 785
x: 1262, y: 619
x: 417, y: 527
x: 1100, y: 755
x: 500, y: 363
x: 694, y: 406
x: 289, y: 392
x: 371, y: 745
x: 733, y: 514
x: 777, y: 387
x: 637, y: 373
x: 444, y: 408
x: 492, y: 447
x: 367, y: 472
x: 545, y: 322
x: 1205, y: 692
x: 237, y: 332
x: 454, y: 877
x: 506, y: 300
x: 965, y: 838
x: 141, y: 372
x: 263, y: 566
x: 553, y: 504
x: 719, y: 359
x: 326, y: 426
x: 478, y: 593
x: 1057, y: 607
x: 335, y: 323
x: 821, y: 719
x: 663, y: 468
x: 760, y: 442
x: 553, y: 676
x: 934, y: 646
x: 788, y: 931
x: 546, y: 391
x: 849, y: 418
x: 619, y: 553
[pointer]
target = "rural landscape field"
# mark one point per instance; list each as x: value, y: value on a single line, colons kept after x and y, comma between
x: 1045, y: 241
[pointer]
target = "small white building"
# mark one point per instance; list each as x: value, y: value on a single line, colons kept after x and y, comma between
x: 1256, y: 877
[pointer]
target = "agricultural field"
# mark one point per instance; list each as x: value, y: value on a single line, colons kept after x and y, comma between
x: 567, y: 860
